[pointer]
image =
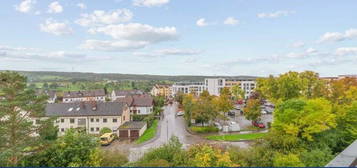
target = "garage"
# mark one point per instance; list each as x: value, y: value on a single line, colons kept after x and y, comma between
x: 123, y: 134
x: 132, y: 130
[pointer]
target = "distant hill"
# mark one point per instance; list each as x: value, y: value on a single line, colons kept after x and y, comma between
x: 50, y: 76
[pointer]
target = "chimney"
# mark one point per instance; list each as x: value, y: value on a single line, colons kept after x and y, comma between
x: 94, y: 105
x: 81, y: 104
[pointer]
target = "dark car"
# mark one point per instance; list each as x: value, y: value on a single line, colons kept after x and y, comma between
x: 258, y: 124
x: 231, y: 113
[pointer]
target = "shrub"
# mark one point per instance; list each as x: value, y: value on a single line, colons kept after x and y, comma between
x: 105, y: 130
x: 112, y: 159
x: 204, y: 129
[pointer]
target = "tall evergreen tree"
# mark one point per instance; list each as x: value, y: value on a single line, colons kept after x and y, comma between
x: 17, y: 105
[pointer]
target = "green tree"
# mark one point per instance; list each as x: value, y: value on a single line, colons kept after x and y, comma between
x: 303, y: 118
x: 237, y: 92
x: 224, y: 103
x: 253, y: 110
x: 105, y: 130
x: 188, y: 103
x: 74, y: 149
x: 17, y: 105
x: 203, y: 155
x: 289, y: 160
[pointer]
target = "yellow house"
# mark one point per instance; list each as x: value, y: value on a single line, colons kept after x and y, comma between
x: 161, y: 90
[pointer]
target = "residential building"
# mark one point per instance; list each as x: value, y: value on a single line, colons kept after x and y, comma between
x: 52, y: 95
x: 116, y: 94
x: 90, y: 116
x: 138, y: 104
x: 162, y: 90
x: 346, y: 76
x: 246, y: 83
x: 188, y: 87
x: 80, y: 96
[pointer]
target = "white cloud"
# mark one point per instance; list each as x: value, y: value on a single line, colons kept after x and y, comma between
x: 298, y: 44
x: 55, y: 7
x: 201, y: 22
x: 275, y: 14
x: 99, y: 17
x: 306, y: 53
x: 82, y: 5
x: 121, y: 45
x: 25, y: 6
x: 231, y: 21
x: 56, y: 28
x: 150, y: 3
x: 138, y: 32
x: 344, y: 51
x: 8, y: 48
x: 167, y: 52
x: 337, y: 36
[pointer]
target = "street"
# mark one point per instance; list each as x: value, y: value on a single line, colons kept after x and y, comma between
x: 170, y: 126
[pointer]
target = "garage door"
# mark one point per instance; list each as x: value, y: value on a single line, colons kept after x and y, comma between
x: 134, y: 133
x: 123, y: 134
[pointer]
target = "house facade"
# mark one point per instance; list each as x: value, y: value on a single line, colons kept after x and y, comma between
x: 90, y: 116
x: 246, y: 83
x: 188, y: 87
x: 138, y: 104
x: 118, y: 94
x: 162, y: 90
x: 84, y: 96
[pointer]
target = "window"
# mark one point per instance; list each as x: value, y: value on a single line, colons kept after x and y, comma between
x: 92, y: 120
x: 62, y: 120
x: 97, y: 129
x: 97, y: 120
x: 104, y: 120
x: 115, y: 120
x: 62, y: 129
x: 124, y: 118
x: 37, y: 121
x: 71, y: 120
x: 92, y: 129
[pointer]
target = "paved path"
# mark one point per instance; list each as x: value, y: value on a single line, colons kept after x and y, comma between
x: 169, y: 126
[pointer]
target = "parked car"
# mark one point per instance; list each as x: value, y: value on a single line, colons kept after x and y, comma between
x: 233, y: 126
x: 180, y: 113
x: 258, y: 124
x: 231, y: 113
x: 107, y: 138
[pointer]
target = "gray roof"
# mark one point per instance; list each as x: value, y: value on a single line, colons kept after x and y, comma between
x: 86, y: 93
x: 128, y: 92
x: 85, y: 109
x: 133, y: 125
x: 137, y: 100
x: 347, y: 158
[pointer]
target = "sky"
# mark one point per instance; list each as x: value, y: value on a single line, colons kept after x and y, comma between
x: 180, y: 37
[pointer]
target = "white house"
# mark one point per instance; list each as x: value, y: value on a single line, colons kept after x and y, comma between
x: 116, y: 94
x: 138, y: 104
x: 79, y: 96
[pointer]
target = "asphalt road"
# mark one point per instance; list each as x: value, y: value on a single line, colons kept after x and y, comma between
x: 170, y: 126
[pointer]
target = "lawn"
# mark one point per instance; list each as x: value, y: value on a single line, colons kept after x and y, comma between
x: 148, y: 134
x: 236, y: 137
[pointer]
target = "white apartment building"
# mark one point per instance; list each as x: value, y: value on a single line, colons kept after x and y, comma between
x: 91, y: 116
x: 80, y: 96
x: 215, y: 85
x: 118, y: 94
x: 188, y: 87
